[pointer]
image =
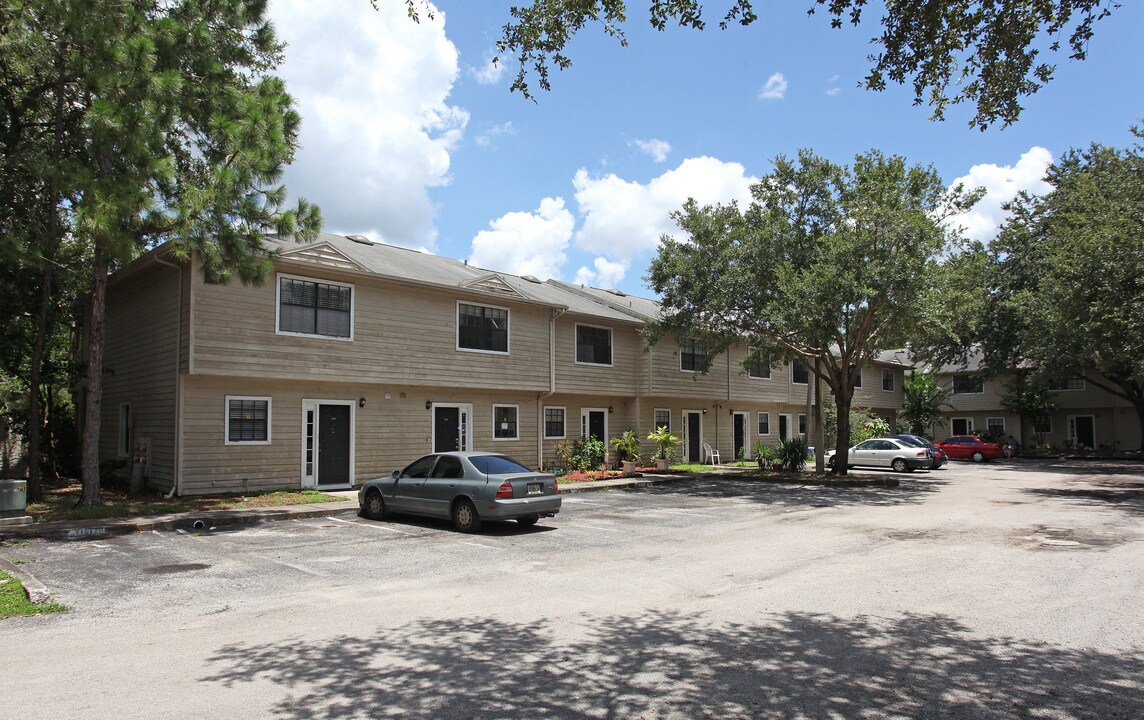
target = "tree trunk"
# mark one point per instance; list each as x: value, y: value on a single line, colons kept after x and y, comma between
x: 94, y: 375
x: 842, y: 403
x: 35, y: 397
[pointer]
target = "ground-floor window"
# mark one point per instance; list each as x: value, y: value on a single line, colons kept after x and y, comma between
x: 247, y: 420
x: 505, y: 422
x: 662, y: 419
x: 554, y: 422
x: 764, y: 423
x: 802, y: 423
x: 995, y: 425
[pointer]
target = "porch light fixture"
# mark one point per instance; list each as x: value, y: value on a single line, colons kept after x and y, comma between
x: 428, y: 404
x: 361, y: 402
x: 610, y: 409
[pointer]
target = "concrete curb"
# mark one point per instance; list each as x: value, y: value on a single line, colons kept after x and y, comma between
x: 33, y: 588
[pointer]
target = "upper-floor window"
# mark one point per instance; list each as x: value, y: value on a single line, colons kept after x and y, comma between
x: 593, y: 345
x: 758, y: 367
x: 1073, y: 383
x: 887, y: 379
x: 307, y: 307
x: 799, y: 373
x: 247, y: 420
x: 692, y: 356
x: 505, y: 422
x: 968, y: 385
x: 482, y: 328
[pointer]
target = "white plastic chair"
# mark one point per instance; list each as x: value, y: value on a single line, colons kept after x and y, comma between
x: 710, y: 453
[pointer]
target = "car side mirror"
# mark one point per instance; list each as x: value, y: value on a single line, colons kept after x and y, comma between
x: 396, y: 473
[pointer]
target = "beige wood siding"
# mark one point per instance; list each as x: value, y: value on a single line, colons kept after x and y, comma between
x: 141, y: 366
x: 401, y: 334
x: 621, y: 377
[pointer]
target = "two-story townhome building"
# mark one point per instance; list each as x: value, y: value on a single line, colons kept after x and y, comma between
x: 357, y: 357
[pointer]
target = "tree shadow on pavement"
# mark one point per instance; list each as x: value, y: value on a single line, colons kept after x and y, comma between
x: 671, y: 665
x: 1128, y: 499
x: 788, y: 493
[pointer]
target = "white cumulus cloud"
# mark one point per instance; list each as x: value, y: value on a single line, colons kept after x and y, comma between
x: 775, y: 89
x: 377, y: 132
x: 526, y: 243
x: 624, y: 219
x: 488, y: 72
x: 604, y: 273
x: 1001, y: 183
x: 656, y: 149
x: 485, y: 138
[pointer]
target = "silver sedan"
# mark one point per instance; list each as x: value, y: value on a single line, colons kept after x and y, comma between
x: 467, y: 487
x: 884, y: 453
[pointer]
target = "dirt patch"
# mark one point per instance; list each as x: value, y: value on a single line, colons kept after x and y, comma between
x: 1045, y: 537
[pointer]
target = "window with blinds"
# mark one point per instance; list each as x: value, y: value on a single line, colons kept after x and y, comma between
x: 306, y: 307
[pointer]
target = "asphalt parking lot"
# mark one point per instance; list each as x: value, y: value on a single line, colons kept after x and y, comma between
x: 997, y: 590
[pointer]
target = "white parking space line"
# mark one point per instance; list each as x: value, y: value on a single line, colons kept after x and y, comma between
x: 480, y: 545
x: 578, y: 525
x: 292, y: 566
x: 373, y: 526
x: 664, y: 511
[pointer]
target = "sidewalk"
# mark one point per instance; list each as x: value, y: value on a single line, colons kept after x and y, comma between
x: 207, y: 520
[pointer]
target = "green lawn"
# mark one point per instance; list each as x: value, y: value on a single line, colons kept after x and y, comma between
x: 13, y: 600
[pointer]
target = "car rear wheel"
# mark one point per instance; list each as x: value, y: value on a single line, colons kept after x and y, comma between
x: 374, y: 507
x: 465, y: 516
x: 977, y: 456
x: 900, y: 465
x: 527, y: 521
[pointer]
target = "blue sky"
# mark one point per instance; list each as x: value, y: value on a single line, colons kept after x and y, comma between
x: 411, y: 137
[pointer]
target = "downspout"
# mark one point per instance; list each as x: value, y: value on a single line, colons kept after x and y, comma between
x: 178, y: 381
x: 556, y: 312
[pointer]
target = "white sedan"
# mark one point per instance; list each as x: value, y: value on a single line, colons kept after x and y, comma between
x: 884, y: 453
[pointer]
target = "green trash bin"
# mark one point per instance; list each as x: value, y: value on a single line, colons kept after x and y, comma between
x: 13, y: 498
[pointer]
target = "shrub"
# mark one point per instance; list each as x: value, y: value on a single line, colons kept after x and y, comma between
x: 590, y: 454
x: 792, y: 454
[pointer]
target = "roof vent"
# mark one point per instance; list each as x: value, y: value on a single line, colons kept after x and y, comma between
x: 361, y: 239
x: 619, y: 293
x: 530, y: 278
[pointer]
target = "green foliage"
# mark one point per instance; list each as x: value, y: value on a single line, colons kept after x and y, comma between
x: 792, y: 454
x: 627, y: 446
x: 1062, y: 283
x: 664, y: 438
x: 565, y: 454
x: 983, y: 53
x: 923, y: 402
x: 765, y: 455
x: 1031, y: 400
x: 14, y: 601
x: 589, y: 454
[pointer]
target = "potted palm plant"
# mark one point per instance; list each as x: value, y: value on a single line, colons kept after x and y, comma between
x: 662, y: 436
x: 627, y: 447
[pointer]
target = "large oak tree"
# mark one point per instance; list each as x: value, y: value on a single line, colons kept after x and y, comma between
x: 829, y: 265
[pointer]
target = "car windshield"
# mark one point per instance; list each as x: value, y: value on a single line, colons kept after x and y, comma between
x: 497, y: 465
x: 909, y: 440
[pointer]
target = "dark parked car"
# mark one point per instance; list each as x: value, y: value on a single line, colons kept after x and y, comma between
x: 937, y: 455
x: 467, y: 487
x: 970, y: 447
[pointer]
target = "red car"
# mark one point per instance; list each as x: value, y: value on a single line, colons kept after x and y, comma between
x: 970, y: 447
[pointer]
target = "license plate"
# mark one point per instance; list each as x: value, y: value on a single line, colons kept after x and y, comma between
x: 535, y: 488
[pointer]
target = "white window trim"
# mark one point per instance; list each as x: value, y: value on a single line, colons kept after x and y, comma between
x: 576, y: 345
x: 802, y: 424
x: 768, y: 433
x: 316, y: 336
x: 457, y: 323
x: 893, y: 379
x: 769, y: 374
x: 953, y: 385
x: 506, y: 439
x: 226, y: 420
x: 989, y: 422
x: 544, y: 422
x: 808, y: 374
x: 705, y: 354
x: 656, y: 426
